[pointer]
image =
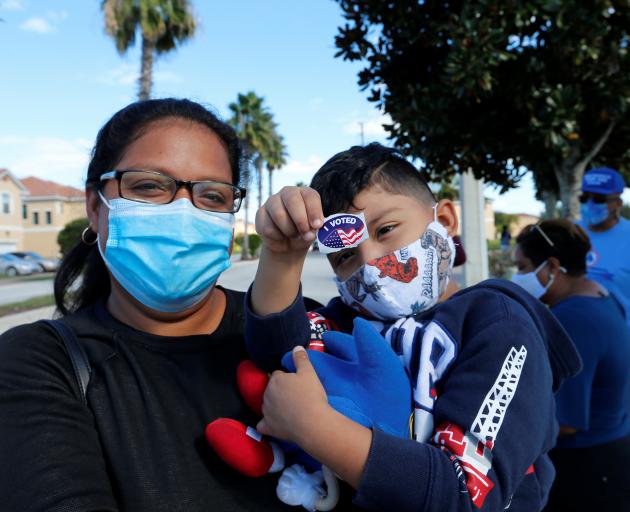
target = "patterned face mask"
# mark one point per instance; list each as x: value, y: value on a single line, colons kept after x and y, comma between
x: 404, y: 282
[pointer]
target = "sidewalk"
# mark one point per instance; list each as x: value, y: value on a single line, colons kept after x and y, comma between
x: 26, y: 317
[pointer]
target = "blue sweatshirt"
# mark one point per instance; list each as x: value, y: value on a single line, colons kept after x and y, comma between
x: 484, y: 366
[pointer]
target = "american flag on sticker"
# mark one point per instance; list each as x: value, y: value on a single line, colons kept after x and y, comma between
x: 341, y: 231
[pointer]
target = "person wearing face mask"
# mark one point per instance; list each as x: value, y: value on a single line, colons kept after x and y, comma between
x: 483, y: 365
x: 600, y: 208
x: 161, y: 338
x: 593, y: 449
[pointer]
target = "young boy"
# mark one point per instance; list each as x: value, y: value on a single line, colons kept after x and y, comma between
x: 483, y: 365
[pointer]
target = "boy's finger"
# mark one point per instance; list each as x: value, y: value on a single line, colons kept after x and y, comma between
x: 261, y: 427
x: 296, y: 209
x: 266, y: 227
x: 313, y: 204
x: 278, y: 214
x: 300, y: 358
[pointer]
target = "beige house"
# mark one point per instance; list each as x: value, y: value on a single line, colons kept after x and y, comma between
x: 33, y: 212
x: 47, y: 208
x: 488, y: 218
x: 522, y: 220
x: 12, y: 193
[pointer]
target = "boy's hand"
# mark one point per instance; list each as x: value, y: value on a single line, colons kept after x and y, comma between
x: 289, y: 219
x: 293, y: 402
x: 295, y: 408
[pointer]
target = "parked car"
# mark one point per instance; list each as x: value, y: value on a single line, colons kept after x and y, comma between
x: 45, y: 264
x: 11, y: 265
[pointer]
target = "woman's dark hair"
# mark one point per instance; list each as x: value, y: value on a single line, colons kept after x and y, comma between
x: 113, y: 139
x: 570, y: 244
x: 347, y: 173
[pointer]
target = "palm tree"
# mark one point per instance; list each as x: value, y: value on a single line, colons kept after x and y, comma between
x: 277, y: 156
x: 253, y: 124
x: 163, y: 25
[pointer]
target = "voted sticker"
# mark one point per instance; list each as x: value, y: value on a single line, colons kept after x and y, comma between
x: 341, y: 231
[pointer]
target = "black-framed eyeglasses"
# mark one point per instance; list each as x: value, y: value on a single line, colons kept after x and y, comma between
x: 596, y: 198
x: 156, y: 188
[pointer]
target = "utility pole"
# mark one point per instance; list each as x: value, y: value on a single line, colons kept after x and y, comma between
x: 473, y: 228
x: 362, y: 134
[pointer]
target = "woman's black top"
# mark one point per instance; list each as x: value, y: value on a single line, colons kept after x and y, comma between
x: 139, y: 444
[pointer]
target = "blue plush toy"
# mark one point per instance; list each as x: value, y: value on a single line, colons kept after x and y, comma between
x: 365, y: 381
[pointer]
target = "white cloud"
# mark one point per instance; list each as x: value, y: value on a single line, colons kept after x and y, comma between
x: 11, y: 5
x: 127, y: 74
x: 307, y: 166
x: 52, y: 158
x: 372, y: 126
x: 517, y: 200
x: 57, y: 16
x: 38, y: 25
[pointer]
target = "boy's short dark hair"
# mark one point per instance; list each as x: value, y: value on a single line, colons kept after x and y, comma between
x: 347, y: 173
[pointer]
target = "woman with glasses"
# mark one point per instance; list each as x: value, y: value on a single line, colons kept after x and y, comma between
x: 162, y: 341
x: 592, y: 455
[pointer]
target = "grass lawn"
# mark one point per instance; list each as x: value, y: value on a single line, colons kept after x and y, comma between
x: 25, y: 305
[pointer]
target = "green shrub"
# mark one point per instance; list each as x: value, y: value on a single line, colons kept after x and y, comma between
x: 71, y: 234
x: 500, y: 264
x: 254, y: 243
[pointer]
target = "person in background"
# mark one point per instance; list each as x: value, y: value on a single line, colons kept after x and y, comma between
x: 608, y: 261
x: 593, y: 450
x: 506, y: 237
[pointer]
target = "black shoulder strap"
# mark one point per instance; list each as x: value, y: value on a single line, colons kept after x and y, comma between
x: 80, y: 362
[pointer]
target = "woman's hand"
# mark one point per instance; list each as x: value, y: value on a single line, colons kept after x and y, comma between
x: 288, y: 220
x: 294, y: 403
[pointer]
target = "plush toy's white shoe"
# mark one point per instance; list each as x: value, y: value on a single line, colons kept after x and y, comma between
x: 298, y: 487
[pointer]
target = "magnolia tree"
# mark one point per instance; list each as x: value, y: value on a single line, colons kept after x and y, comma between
x: 499, y: 88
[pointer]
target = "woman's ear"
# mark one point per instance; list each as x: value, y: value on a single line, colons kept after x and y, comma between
x: 447, y: 216
x: 92, y: 204
x: 553, y: 264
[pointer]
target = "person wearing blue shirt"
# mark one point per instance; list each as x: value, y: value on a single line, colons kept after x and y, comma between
x: 593, y: 409
x: 608, y: 261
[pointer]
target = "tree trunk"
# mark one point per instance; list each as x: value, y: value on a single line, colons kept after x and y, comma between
x: 571, y: 170
x: 270, y: 177
x: 259, y: 177
x: 551, y: 204
x: 245, y: 249
x: 569, y: 176
x: 145, y: 82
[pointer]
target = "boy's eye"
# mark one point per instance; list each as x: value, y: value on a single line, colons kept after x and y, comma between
x: 384, y: 230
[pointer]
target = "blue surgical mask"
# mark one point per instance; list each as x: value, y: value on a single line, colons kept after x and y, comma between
x: 593, y: 213
x: 531, y: 283
x: 168, y: 257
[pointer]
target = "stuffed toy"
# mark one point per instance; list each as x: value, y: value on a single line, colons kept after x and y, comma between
x: 363, y: 379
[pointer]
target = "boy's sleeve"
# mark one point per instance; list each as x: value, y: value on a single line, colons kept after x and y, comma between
x: 492, y: 419
x: 49, y: 447
x: 269, y: 337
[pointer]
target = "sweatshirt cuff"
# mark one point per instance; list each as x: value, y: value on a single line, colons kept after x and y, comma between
x: 397, y: 475
x: 269, y: 337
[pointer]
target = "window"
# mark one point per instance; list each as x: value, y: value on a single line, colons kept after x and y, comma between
x: 35, y: 217
x: 24, y: 212
x: 6, y: 202
x: 48, y: 217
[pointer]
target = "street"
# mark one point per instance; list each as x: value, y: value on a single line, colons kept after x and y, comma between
x: 317, y: 284
x: 19, y: 289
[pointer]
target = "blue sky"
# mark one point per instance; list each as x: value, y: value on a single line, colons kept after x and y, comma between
x: 62, y: 79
